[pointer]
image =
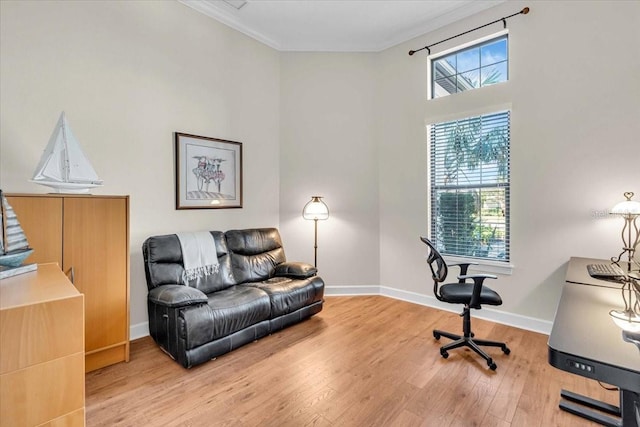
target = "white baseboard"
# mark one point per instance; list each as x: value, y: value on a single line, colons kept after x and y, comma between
x: 141, y: 330
x: 351, y: 290
x: 138, y: 330
x: 510, y: 319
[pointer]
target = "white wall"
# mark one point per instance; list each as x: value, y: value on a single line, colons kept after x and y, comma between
x: 349, y: 127
x: 328, y: 145
x: 129, y: 74
x: 574, y: 92
x: 575, y: 102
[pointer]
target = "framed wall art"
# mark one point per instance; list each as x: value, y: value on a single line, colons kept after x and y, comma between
x: 208, y: 172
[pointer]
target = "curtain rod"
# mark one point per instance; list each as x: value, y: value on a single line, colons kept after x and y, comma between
x: 504, y: 22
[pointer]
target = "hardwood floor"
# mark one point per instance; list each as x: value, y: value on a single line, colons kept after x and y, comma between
x: 362, y: 361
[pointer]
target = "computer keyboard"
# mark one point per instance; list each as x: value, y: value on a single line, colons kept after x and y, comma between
x: 605, y: 271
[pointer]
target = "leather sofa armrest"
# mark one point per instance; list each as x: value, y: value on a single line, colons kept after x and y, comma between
x: 176, y: 296
x: 297, y: 270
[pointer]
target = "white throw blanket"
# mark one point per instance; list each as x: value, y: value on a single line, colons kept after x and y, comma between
x: 199, y: 255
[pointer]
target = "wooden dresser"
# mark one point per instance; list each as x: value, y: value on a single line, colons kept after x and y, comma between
x: 41, y: 350
x: 89, y: 237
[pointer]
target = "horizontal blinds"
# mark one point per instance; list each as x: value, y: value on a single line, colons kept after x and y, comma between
x: 470, y: 186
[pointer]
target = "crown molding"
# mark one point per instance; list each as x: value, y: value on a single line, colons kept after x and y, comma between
x: 224, y: 13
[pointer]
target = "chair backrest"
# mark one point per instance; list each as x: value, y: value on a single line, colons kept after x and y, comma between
x: 437, y: 265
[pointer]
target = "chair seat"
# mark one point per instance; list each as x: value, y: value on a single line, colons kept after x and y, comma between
x: 460, y: 293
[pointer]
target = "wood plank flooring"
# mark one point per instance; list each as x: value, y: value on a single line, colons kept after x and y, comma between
x: 362, y: 361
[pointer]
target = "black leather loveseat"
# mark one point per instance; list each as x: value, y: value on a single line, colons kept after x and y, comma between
x: 253, y: 293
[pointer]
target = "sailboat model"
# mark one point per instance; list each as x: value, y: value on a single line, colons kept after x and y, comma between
x: 14, y: 248
x: 63, y: 166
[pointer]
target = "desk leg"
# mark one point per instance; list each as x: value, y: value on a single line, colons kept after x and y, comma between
x: 583, y: 406
x: 592, y: 403
x: 630, y: 405
x: 585, y: 412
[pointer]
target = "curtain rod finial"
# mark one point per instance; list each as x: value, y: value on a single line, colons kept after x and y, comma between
x: 411, y: 52
x: 525, y: 11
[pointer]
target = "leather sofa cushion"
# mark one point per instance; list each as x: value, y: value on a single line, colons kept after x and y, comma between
x: 226, y: 312
x: 165, y: 266
x: 256, y: 252
x: 288, y: 295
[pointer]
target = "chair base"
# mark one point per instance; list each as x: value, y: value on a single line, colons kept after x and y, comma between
x: 467, y: 340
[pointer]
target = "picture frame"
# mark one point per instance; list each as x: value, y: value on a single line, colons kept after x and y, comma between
x: 208, y: 172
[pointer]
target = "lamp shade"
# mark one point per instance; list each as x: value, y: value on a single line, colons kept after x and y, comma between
x: 315, y: 209
x: 628, y: 207
x: 627, y: 320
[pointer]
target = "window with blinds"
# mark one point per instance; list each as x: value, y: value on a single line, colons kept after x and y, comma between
x: 469, y: 160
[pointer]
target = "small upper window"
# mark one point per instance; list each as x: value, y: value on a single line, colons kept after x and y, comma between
x: 479, y: 65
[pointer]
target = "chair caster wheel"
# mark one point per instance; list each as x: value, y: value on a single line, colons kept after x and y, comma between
x: 491, y: 364
x: 506, y: 350
x: 436, y: 335
x: 444, y: 354
x: 472, y: 335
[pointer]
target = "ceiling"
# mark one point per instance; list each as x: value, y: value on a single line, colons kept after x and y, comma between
x: 337, y: 25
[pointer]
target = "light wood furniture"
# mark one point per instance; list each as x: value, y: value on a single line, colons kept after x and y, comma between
x: 89, y: 237
x: 41, y: 350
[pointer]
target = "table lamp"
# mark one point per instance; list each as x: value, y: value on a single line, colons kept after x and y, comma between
x: 316, y: 210
x: 629, y: 318
x: 629, y: 210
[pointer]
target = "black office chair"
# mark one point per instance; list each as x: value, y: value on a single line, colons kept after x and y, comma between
x: 472, y: 295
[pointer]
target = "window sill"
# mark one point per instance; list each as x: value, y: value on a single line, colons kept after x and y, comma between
x: 484, y: 266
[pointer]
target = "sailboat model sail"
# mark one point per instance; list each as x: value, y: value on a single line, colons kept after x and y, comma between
x: 14, y: 247
x: 63, y: 166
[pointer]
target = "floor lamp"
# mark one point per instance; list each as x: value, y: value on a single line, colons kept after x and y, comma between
x: 316, y: 210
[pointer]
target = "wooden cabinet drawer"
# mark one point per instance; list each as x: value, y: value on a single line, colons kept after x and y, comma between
x: 42, y: 392
x: 41, y: 350
x: 36, y: 333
